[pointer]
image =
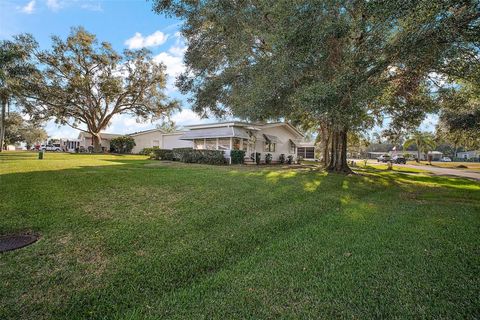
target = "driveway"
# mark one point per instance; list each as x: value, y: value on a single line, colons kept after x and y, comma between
x: 444, y: 171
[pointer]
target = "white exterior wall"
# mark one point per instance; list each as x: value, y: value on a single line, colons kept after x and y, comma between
x: 283, y: 134
x: 147, y: 140
x: 172, y: 140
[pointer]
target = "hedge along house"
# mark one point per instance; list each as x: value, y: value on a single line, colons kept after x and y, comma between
x: 271, y: 138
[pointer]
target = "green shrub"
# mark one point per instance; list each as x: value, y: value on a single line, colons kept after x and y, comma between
x: 281, y: 158
x: 290, y: 159
x: 148, y: 151
x: 189, y: 155
x: 256, y: 158
x: 163, y: 154
x: 268, y: 158
x: 179, y: 153
x: 237, y: 156
x: 123, y: 144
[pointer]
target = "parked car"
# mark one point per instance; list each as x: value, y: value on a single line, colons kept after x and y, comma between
x: 399, y: 160
x: 446, y: 159
x: 384, y: 158
x: 50, y: 147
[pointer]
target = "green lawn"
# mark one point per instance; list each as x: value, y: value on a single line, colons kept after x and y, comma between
x: 128, y: 238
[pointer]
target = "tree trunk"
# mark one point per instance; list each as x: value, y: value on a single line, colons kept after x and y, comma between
x: 338, y: 152
x: 418, y: 155
x: 324, y: 144
x: 97, y: 145
x: 2, y: 125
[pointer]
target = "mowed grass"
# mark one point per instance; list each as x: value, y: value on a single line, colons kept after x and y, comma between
x: 471, y: 166
x: 123, y: 237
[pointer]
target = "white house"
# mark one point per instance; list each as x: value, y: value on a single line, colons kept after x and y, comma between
x: 85, y: 140
x: 267, y: 138
x: 274, y: 138
x: 158, y: 138
x: 469, y: 154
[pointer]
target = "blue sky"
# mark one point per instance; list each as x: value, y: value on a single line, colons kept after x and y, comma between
x: 123, y: 23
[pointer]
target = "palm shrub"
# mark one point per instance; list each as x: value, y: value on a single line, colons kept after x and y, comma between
x: 268, y: 158
x: 290, y: 159
x: 423, y: 141
x: 281, y: 158
x: 123, y: 144
x: 237, y: 156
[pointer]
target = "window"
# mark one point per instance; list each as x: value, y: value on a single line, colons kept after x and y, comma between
x: 292, y: 147
x: 236, y: 143
x: 199, y: 143
x: 223, y: 143
x: 269, y: 147
x: 245, y: 145
x: 211, y: 144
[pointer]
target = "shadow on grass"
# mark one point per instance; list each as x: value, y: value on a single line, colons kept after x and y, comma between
x: 162, y: 229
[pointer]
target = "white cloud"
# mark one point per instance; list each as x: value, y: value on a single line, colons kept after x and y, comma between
x: 53, y: 5
x: 138, y: 41
x: 29, y: 8
x: 92, y: 6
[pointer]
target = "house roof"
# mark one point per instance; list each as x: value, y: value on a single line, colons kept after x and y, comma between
x: 254, y: 126
x: 270, y: 138
x: 145, y: 132
x: 219, y: 132
x: 103, y: 135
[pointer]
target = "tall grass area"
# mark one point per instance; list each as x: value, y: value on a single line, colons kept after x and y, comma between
x: 123, y: 237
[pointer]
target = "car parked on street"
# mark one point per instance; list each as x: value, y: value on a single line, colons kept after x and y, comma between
x: 446, y: 159
x: 50, y: 147
x: 384, y: 158
x: 399, y: 160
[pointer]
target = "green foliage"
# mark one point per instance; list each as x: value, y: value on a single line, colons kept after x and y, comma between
x: 162, y: 154
x: 290, y: 159
x: 17, y: 130
x: 238, y: 156
x: 345, y: 64
x: 189, y: 155
x: 256, y: 156
x: 81, y: 81
x: 281, y: 158
x: 268, y: 158
x: 123, y: 144
x: 422, y: 140
x: 148, y: 151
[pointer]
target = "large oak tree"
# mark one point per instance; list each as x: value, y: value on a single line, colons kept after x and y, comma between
x: 83, y: 84
x: 323, y: 63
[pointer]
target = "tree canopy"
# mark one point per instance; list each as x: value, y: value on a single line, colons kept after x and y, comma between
x: 336, y: 65
x: 83, y: 83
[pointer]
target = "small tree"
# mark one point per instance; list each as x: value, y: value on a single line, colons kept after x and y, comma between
x: 423, y: 141
x: 83, y: 84
x: 122, y: 144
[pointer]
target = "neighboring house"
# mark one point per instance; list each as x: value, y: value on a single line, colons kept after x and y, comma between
x: 157, y: 138
x: 436, y: 155
x: 274, y: 138
x: 85, y: 140
x: 467, y: 155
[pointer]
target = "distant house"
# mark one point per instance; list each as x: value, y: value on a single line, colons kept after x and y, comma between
x: 85, y: 140
x: 157, y: 138
x: 467, y: 155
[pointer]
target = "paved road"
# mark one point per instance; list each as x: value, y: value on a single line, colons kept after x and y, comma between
x: 464, y: 173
